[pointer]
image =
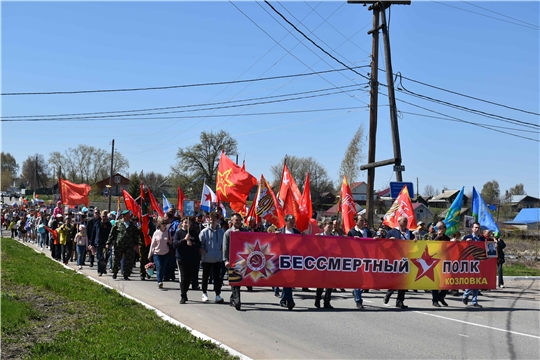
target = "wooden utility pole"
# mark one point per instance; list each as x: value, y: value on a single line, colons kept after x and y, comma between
x: 111, y: 175
x: 379, y: 8
x: 373, y: 105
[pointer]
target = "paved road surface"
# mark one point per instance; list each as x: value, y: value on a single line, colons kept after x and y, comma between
x: 508, y: 327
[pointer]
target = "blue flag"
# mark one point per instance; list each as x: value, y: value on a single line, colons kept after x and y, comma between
x: 166, y: 204
x: 452, y: 219
x: 481, y: 213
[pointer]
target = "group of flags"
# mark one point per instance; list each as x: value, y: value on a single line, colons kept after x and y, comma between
x: 480, y: 211
x: 234, y: 183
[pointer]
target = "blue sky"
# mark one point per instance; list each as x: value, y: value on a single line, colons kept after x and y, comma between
x: 65, y: 46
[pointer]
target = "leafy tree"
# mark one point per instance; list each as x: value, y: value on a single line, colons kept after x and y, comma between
x: 354, y: 155
x: 155, y: 182
x: 429, y: 191
x: 9, y: 164
x: 134, y: 185
x: 517, y: 190
x: 490, y: 192
x: 200, y: 161
x: 299, y: 167
x: 10, y: 169
x: 35, y: 171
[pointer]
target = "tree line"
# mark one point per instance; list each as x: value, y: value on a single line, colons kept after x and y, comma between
x: 192, y: 167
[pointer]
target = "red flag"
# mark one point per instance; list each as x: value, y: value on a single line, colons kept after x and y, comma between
x: 73, y: 194
x: 154, y: 203
x: 144, y: 215
x: 267, y: 205
x: 291, y: 207
x: 233, y: 182
x: 402, y: 206
x: 131, y: 204
x: 252, y: 212
x: 180, y: 204
x: 54, y: 234
x: 306, y: 207
x: 287, y: 182
x: 348, y: 206
x: 239, y: 207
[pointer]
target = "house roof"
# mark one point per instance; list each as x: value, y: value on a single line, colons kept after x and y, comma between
x: 334, y: 210
x: 526, y: 216
x: 445, y: 195
x: 354, y: 185
x: 385, y: 192
x: 515, y: 199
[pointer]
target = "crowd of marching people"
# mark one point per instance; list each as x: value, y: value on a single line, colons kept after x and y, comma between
x: 114, y: 243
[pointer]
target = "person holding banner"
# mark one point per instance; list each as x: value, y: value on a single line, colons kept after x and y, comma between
x: 401, y: 233
x: 187, y: 245
x: 475, y: 236
x: 327, y: 231
x: 437, y: 296
x: 212, y: 256
x: 289, y: 228
x: 236, y: 226
x: 360, y: 230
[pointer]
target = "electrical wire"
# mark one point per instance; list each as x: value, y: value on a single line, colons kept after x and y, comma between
x: 533, y: 27
x: 178, y: 86
x: 186, y: 117
x: 349, y: 87
x: 506, y: 16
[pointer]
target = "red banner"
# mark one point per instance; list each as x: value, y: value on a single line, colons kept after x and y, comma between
x: 266, y: 259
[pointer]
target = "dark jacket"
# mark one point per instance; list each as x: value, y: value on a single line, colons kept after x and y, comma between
x: 227, y: 243
x: 396, y: 233
x: 282, y: 230
x: 183, y: 252
x: 102, y: 229
x: 500, y: 253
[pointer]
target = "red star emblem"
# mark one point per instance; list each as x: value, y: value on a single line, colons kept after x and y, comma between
x: 223, y: 181
x: 425, y: 264
x: 208, y: 197
x: 256, y: 260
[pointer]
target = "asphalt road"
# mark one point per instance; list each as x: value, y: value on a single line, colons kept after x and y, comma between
x: 507, y: 327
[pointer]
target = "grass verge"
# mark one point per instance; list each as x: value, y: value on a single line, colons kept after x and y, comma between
x: 50, y: 312
x: 518, y: 269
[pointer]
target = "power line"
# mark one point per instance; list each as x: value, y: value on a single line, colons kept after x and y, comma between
x: 448, y: 119
x: 506, y: 16
x: 194, y: 105
x: 464, y: 95
x: 313, y: 42
x: 468, y: 122
x: 533, y: 27
x: 179, y: 86
x: 474, y: 111
x: 190, y: 116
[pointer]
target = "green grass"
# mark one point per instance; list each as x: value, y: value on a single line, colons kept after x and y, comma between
x: 82, y: 319
x: 519, y: 270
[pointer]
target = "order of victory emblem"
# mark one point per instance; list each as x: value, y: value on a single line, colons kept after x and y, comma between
x: 255, y: 261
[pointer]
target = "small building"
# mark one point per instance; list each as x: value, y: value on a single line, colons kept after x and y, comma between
x: 359, y: 192
x: 519, y: 202
x: 422, y: 213
x: 119, y: 182
x: 333, y: 211
x: 446, y: 198
x: 526, y: 219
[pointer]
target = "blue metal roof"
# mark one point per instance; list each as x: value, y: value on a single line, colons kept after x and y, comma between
x: 526, y: 216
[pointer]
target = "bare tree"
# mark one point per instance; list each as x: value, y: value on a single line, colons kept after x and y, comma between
x: 429, y: 191
x: 354, y: 155
x: 87, y: 164
x: 299, y: 167
x: 35, y: 171
x: 200, y: 161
